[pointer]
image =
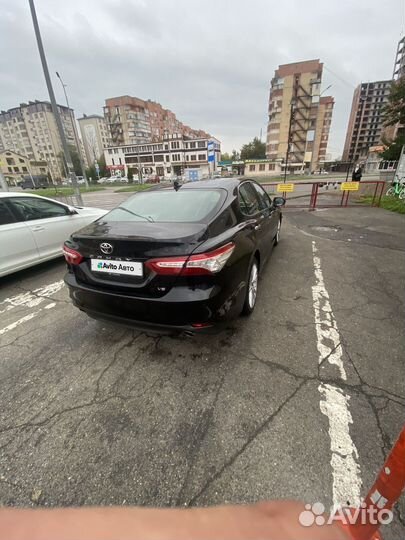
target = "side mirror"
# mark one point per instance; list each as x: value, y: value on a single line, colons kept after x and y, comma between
x: 72, y: 211
x: 278, y: 201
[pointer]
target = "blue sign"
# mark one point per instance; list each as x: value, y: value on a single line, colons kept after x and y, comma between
x: 211, y: 151
x: 193, y: 175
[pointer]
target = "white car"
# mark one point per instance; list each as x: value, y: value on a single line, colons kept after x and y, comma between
x: 33, y: 228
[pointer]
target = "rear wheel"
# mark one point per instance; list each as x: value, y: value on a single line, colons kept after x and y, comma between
x: 390, y: 192
x: 277, y: 237
x: 402, y: 194
x: 251, y: 290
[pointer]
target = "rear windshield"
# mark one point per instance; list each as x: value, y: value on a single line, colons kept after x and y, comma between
x: 189, y: 205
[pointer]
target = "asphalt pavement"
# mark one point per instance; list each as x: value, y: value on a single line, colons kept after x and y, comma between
x: 303, y: 399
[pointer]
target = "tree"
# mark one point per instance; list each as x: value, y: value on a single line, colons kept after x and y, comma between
x: 394, y: 111
x: 92, y: 173
x: 253, y: 150
x: 74, y: 155
x: 394, y: 115
x: 226, y: 156
x: 392, y: 151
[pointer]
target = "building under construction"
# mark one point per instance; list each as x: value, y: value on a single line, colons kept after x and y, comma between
x: 399, y: 65
x: 299, y: 118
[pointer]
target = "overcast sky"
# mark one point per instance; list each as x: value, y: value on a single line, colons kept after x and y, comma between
x: 210, y: 62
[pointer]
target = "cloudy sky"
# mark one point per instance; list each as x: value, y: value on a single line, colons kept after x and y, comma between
x: 210, y: 62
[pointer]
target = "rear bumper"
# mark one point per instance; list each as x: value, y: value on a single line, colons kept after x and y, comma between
x: 177, y: 311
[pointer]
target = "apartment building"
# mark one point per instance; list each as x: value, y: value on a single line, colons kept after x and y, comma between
x: 31, y: 130
x: 175, y: 155
x: 16, y: 166
x: 95, y: 136
x: 132, y: 120
x: 299, y: 118
x: 399, y: 64
x: 322, y: 128
x: 365, y: 127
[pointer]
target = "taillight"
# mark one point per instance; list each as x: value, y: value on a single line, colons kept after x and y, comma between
x: 195, y: 265
x: 72, y: 256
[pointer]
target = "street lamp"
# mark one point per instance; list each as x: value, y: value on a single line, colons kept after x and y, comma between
x: 82, y: 167
x: 54, y: 107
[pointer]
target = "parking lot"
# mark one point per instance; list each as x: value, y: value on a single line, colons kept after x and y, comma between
x: 301, y: 400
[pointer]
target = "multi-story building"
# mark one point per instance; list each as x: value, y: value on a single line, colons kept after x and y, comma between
x: 299, y: 118
x: 95, y: 136
x: 366, y: 123
x: 132, y: 120
x: 16, y: 166
x: 399, y: 65
x: 175, y: 155
x: 31, y: 131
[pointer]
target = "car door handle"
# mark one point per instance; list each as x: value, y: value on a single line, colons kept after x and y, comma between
x: 37, y: 228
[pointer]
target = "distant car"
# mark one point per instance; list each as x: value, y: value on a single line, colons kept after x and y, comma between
x: 34, y: 182
x: 181, y: 259
x: 33, y: 228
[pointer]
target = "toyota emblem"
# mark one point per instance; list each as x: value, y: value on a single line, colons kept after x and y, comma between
x: 106, y: 248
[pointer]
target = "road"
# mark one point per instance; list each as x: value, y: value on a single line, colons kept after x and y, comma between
x: 302, y: 400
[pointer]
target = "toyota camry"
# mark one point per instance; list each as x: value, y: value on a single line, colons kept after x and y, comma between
x: 182, y: 258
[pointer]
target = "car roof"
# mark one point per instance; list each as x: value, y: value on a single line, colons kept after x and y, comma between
x: 17, y: 194
x: 223, y: 183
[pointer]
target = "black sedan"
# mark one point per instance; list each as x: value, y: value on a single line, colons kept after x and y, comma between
x: 182, y: 258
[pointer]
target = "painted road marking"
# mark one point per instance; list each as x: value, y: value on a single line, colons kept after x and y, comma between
x: 334, y: 402
x: 31, y: 299
x: 24, y: 319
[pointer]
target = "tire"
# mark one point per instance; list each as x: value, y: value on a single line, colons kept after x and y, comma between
x: 390, y: 192
x: 402, y: 194
x: 277, y: 237
x: 251, y: 290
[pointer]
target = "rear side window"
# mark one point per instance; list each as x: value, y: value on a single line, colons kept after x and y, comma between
x: 264, y: 199
x: 248, y: 199
x: 188, y: 205
x: 32, y: 208
x: 6, y: 216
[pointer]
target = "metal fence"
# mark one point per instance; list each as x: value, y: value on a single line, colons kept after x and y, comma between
x: 327, y: 194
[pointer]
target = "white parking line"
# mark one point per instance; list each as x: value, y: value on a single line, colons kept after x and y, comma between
x: 18, y: 322
x: 334, y: 402
x: 31, y: 299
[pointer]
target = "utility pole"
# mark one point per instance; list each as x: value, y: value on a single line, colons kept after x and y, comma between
x: 3, y: 181
x: 83, y: 168
x: 55, y: 111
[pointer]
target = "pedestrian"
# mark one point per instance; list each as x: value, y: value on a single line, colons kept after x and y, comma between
x: 357, y: 174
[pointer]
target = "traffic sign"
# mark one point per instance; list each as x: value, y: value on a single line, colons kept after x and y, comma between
x: 284, y: 188
x: 211, y: 151
x: 349, y: 186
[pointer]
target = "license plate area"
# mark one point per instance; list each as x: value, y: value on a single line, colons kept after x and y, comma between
x: 117, y: 267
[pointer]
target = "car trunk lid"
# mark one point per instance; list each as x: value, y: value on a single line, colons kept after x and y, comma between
x: 108, y: 243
